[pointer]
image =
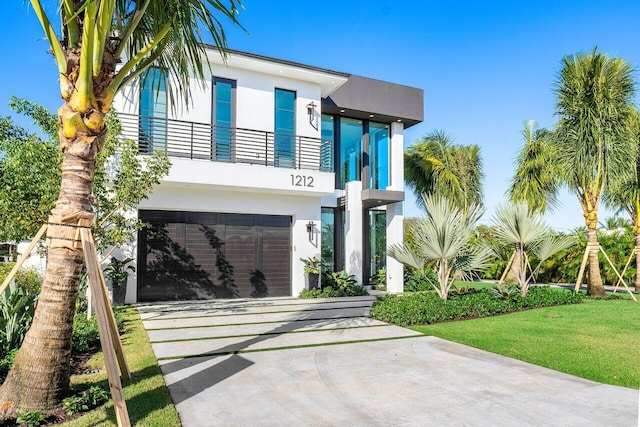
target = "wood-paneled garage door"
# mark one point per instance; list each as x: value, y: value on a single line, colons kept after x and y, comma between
x: 196, y: 255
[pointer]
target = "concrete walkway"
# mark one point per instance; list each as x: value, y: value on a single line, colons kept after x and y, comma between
x: 291, y: 362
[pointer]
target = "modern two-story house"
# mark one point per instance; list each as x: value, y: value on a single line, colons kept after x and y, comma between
x: 274, y: 162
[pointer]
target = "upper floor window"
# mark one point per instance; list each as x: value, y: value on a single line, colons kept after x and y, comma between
x: 350, y: 150
x: 378, y: 155
x: 285, y: 128
x: 153, y: 111
x: 327, y: 132
x: 223, y: 119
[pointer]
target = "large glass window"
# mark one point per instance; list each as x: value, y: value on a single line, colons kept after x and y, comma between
x: 285, y: 128
x: 350, y: 150
x: 378, y: 155
x: 152, y: 131
x: 328, y: 138
x: 377, y: 241
x: 223, y: 118
x: 328, y: 220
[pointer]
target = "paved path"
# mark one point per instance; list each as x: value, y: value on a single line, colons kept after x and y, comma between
x: 291, y: 362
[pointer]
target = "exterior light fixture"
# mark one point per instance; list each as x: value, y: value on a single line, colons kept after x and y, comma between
x: 311, y: 111
x: 310, y: 227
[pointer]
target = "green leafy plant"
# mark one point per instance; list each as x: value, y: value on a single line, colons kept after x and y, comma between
x: 118, y: 271
x: 6, y: 362
x: 17, y: 306
x: 342, y: 279
x: 504, y: 291
x: 31, y: 418
x: 312, y: 265
x: 97, y: 395
x: 74, y: 404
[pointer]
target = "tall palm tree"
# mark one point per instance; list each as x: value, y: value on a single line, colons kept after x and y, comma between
x: 593, y: 100
x: 517, y: 224
x: 625, y: 193
x: 443, y: 237
x: 435, y: 165
x: 536, y: 178
x: 95, y: 36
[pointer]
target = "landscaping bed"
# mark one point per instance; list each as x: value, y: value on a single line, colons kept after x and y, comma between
x: 427, y: 307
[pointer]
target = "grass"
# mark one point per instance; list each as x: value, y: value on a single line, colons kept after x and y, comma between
x: 146, y: 394
x: 597, y: 340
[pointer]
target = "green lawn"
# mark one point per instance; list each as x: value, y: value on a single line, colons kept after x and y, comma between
x: 148, y: 400
x: 598, y: 340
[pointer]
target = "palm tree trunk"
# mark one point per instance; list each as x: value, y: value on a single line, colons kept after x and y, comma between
x: 514, y: 270
x: 637, y: 262
x: 40, y: 374
x: 595, y: 287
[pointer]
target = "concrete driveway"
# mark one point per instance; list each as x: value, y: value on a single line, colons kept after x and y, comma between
x: 291, y: 362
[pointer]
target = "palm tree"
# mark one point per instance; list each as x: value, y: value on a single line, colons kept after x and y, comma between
x: 536, y: 178
x: 625, y: 194
x: 522, y: 227
x: 95, y: 36
x: 434, y: 165
x: 593, y: 99
x: 443, y: 237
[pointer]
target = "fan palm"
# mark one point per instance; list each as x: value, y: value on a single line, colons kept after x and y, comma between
x: 518, y: 225
x: 95, y: 36
x: 443, y: 237
x: 593, y: 100
x: 624, y: 194
x: 434, y: 165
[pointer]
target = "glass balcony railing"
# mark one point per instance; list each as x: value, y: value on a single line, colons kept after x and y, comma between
x: 192, y: 140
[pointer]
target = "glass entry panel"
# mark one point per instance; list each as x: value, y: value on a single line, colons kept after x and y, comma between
x: 350, y: 150
x: 223, y: 119
x: 377, y: 241
x: 328, y: 220
x: 378, y: 155
x: 152, y: 130
x: 285, y: 128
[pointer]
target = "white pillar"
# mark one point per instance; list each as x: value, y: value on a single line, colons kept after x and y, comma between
x: 396, y: 157
x: 395, y: 211
x: 353, y: 230
x: 395, y: 235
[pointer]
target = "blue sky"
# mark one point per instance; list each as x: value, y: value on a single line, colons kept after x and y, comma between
x: 485, y: 67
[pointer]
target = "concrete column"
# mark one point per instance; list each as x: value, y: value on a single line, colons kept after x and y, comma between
x: 396, y: 157
x: 353, y: 230
x: 395, y: 235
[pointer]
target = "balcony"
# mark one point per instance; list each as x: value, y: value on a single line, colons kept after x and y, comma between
x: 203, y: 141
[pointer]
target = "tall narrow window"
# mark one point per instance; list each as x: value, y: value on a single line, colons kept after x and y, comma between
x: 328, y: 237
x: 285, y: 128
x: 350, y: 150
x: 223, y: 119
x: 378, y: 155
x: 152, y: 131
x: 327, y: 147
x: 377, y: 241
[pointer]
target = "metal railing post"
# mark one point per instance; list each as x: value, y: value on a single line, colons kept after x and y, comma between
x: 266, y: 149
x: 191, y: 141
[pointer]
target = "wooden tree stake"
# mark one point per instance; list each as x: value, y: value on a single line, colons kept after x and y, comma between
x: 22, y: 258
x: 506, y: 270
x: 104, y: 326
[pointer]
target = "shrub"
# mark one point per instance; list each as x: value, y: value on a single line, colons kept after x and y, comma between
x: 97, y: 395
x: 74, y: 404
x: 85, y: 332
x: 17, y: 306
x: 331, y: 292
x: 428, y: 307
x: 31, y: 418
x: 418, y: 281
x: 6, y: 362
x: 28, y: 278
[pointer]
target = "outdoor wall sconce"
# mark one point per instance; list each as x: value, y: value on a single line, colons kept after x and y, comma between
x: 310, y: 226
x: 311, y: 111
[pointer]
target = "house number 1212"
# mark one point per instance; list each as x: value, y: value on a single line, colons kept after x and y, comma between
x: 301, y: 180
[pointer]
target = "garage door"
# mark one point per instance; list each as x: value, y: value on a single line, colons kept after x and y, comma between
x: 196, y: 255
